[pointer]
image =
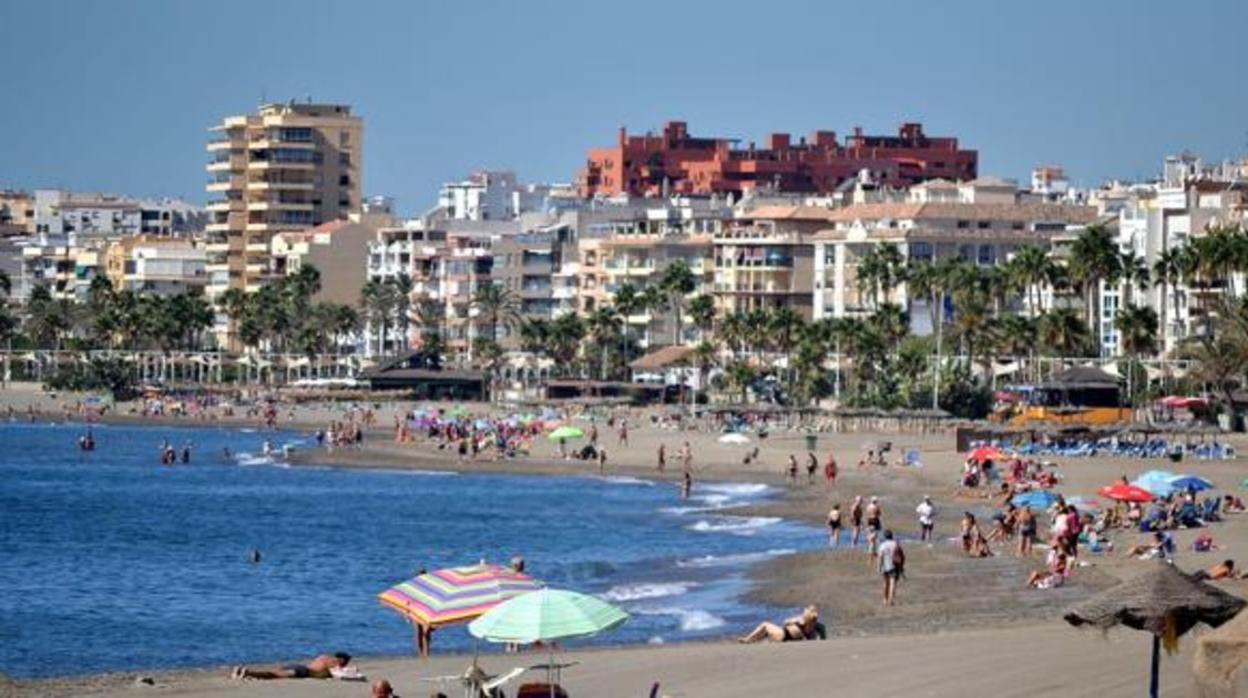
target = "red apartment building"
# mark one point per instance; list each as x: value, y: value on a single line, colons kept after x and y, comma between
x: 639, y: 165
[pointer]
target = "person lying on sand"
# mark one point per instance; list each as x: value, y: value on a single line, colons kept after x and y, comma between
x: 1161, y: 547
x: 1222, y: 570
x: 319, y: 668
x: 793, y: 629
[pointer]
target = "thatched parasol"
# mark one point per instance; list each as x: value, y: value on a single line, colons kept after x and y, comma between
x: 1222, y: 653
x: 1163, y: 601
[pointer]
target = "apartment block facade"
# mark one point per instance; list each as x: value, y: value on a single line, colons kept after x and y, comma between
x: 287, y: 167
x: 676, y: 162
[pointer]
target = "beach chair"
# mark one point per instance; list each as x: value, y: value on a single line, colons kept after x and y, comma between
x: 491, y: 687
x: 541, y: 690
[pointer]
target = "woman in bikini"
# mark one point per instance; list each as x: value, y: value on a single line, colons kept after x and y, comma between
x: 792, y: 629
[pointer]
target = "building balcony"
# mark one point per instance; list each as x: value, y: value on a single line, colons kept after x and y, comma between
x: 274, y: 227
x: 280, y: 186
x: 257, y: 247
x: 234, y: 183
x: 264, y: 142
x: 217, y: 268
x: 279, y: 206
x: 218, y: 228
x: 225, y: 144
x: 224, y: 205
x: 217, y: 247
x: 230, y: 165
x: 268, y: 165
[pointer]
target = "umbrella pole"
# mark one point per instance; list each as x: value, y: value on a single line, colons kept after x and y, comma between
x: 1153, y: 676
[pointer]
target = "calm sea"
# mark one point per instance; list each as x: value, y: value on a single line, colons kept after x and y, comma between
x: 109, y: 561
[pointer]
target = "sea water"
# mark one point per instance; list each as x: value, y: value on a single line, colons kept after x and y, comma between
x: 110, y: 561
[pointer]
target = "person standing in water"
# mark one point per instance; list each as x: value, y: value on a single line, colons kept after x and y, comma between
x: 686, y: 485
x: 186, y: 452
x: 834, y: 526
x: 855, y: 520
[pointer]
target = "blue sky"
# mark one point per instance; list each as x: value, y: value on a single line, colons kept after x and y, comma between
x: 117, y: 96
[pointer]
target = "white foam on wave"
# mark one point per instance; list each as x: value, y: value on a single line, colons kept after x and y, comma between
x: 737, y: 489
x: 733, y: 560
x: 655, y: 590
x: 623, y: 480
x: 691, y: 619
x: 252, y: 459
x: 738, y: 525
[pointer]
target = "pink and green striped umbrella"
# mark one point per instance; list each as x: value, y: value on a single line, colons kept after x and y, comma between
x: 456, y: 594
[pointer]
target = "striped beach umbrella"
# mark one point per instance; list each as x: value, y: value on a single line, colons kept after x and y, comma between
x: 456, y: 594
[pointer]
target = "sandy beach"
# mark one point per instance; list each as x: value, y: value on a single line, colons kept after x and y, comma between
x: 961, y: 626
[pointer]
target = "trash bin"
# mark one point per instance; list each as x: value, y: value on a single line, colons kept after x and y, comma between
x: 812, y: 441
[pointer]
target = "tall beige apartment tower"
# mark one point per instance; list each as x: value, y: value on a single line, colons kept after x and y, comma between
x: 288, y: 167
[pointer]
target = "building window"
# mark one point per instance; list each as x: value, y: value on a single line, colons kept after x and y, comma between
x: 983, y: 225
x: 963, y: 225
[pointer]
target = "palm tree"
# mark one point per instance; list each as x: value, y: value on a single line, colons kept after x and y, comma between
x: 430, y: 316
x: 879, y: 270
x: 1033, y: 268
x: 1016, y: 335
x: 1063, y: 333
x: 499, y: 305
x: 1094, y: 258
x: 702, y: 312
x: 399, y: 288
x: 1167, y: 272
x: 654, y: 301
x: 604, y: 328
x: 535, y: 336
x: 677, y: 282
x: 1134, y: 273
x: 629, y: 303
x: 377, y: 304
x: 564, y: 337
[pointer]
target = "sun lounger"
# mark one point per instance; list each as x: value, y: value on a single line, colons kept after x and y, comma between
x: 540, y: 690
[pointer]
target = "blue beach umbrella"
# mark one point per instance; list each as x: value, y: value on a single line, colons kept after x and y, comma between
x: 1191, y: 482
x: 1036, y: 499
x: 1157, y: 481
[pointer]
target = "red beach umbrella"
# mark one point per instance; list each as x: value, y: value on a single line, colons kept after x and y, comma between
x: 986, y: 453
x: 1120, y: 492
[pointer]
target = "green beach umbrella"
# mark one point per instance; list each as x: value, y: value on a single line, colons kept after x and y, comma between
x: 546, y: 615
x: 458, y: 411
x: 566, y: 433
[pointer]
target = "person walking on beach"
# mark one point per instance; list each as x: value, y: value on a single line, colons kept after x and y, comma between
x: 686, y: 457
x: 892, y: 565
x: 873, y: 515
x: 834, y: 526
x: 812, y: 465
x: 829, y: 471
x: 593, y: 434
x: 602, y: 460
x: 1026, y: 523
x: 792, y: 469
x: 623, y: 433
x: 662, y: 457
x: 927, y: 519
x: 855, y: 520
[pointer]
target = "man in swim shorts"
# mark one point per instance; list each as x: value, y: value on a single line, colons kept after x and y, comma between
x: 319, y: 668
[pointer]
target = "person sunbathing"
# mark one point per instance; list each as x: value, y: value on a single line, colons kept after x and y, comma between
x: 321, y: 667
x: 802, y: 627
x: 1222, y: 570
x: 1161, y: 547
x: 1234, y: 504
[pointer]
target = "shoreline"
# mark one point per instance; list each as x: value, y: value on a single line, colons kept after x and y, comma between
x: 944, y: 594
